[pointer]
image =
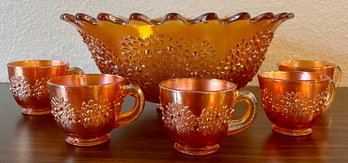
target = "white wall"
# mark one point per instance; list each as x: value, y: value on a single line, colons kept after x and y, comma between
x: 33, y: 30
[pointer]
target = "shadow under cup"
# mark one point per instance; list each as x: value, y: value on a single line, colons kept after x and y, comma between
x: 197, y: 113
x: 87, y: 107
x: 294, y: 100
x: 28, y: 83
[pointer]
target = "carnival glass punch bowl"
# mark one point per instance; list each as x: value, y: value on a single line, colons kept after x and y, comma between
x: 146, y: 51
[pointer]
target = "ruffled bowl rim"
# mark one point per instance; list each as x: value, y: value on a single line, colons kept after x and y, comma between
x: 175, y: 16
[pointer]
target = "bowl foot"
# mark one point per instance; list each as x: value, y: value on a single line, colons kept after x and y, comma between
x: 36, y: 111
x: 197, y: 151
x: 290, y: 132
x: 87, y: 142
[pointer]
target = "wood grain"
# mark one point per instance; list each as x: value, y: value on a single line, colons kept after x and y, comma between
x: 38, y: 139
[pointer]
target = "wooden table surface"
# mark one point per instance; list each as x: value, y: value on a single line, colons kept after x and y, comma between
x: 38, y: 139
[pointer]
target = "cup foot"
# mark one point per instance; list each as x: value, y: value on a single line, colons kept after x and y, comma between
x: 290, y: 132
x: 35, y: 111
x: 197, y: 151
x: 87, y: 142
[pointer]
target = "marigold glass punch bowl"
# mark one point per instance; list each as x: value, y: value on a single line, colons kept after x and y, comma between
x: 147, y: 51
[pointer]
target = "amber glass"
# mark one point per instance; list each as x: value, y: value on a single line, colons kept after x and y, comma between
x: 198, y: 112
x: 28, y: 83
x: 87, y: 107
x: 330, y: 69
x: 146, y: 51
x: 294, y: 100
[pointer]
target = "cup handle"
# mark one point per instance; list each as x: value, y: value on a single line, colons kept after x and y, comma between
x: 337, y: 75
x: 75, y: 71
x: 128, y: 117
x: 331, y: 95
x: 236, y: 126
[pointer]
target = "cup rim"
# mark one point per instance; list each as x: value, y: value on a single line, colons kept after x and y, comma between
x: 16, y: 63
x: 51, y: 82
x: 265, y: 75
x: 233, y: 86
x: 327, y: 64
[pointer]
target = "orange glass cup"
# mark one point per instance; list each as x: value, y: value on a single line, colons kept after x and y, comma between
x: 28, y: 83
x: 330, y: 69
x: 294, y: 100
x: 197, y: 112
x: 87, y: 107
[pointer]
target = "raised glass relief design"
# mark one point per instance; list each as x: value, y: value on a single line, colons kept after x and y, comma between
x: 62, y: 111
x: 294, y: 104
x: 245, y: 60
x: 40, y: 89
x: 148, y: 61
x: 178, y: 117
x: 21, y: 88
x: 93, y: 113
x: 102, y: 55
x: 214, y: 119
x: 211, y: 121
x: 146, y: 51
x: 96, y: 112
